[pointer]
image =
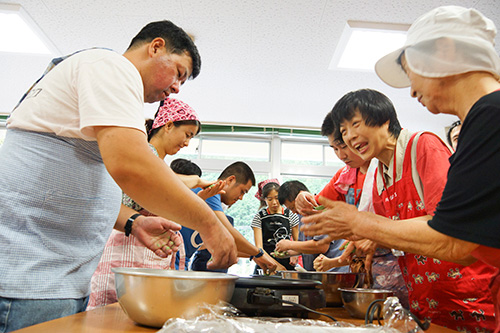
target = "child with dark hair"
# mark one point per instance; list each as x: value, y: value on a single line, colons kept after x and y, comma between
x: 308, y: 247
x: 274, y: 223
x: 452, y: 134
x: 286, y: 195
x: 185, y: 167
x: 288, y: 192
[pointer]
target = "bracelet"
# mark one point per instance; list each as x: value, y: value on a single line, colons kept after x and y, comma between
x: 128, y: 225
x: 258, y: 255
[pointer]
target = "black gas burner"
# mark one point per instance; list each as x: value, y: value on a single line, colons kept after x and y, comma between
x: 264, y: 295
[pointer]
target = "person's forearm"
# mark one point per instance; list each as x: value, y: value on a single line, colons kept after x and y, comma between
x: 131, y: 163
x: 257, y: 234
x: 413, y: 236
x: 295, y: 233
x: 243, y: 245
x: 308, y: 247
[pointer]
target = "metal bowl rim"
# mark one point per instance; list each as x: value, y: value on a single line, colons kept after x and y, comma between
x: 321, y: 273
x: 172, y: 274
x: 364, y: 290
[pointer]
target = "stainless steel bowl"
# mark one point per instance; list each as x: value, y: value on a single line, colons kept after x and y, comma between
x: 152, y: 296
x: 330, y: 282
x: 357, y: 300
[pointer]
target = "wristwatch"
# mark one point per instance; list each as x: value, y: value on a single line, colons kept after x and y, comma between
x: 128, y: 225
x: 258, y: 255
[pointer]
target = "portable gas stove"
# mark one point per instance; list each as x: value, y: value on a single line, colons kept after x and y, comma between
x: 271, y: 296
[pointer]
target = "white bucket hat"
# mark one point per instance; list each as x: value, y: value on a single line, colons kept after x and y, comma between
x: 428, y: 54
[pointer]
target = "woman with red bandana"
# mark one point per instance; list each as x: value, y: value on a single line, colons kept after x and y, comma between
x: 174, y: 125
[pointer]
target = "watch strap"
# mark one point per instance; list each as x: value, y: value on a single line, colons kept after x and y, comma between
x: 128, y: 225
x: 258, y: 255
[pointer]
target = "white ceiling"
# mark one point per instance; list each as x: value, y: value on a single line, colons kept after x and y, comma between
x: 263, y: 61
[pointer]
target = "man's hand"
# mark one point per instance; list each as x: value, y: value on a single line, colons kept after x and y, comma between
x: 304, y: 203
x: 221, y: 245
x: 210, y: 191
x: 158, y: 234
x: 268, y: 264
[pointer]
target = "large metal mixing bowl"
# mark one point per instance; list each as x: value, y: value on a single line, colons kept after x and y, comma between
x: 152, y: 296
x: 357, y: 300
x: 330, y: 282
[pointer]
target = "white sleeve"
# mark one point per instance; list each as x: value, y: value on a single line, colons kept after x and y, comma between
x: 110, y: 93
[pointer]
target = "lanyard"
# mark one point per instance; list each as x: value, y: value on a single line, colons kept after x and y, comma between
x: 357, y: 193
x: 392, y: 210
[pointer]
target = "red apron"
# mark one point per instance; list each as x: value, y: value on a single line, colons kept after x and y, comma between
x: 491, y: 256
x: 449, y: 294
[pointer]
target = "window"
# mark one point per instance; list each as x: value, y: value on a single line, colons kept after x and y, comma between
x: 235, y: 149
x: 301, y: 153
x: 313, y: 184
x: 190, y: 152
x: 271, y: 154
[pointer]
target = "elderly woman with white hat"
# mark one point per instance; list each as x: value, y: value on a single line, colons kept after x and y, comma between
x: 451, y: 66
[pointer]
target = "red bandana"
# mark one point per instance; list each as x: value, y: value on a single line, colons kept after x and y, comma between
x: 173, y: 110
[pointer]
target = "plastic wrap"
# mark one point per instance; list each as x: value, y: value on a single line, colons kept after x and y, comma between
x: 226, y: 318
x: 395, y: 316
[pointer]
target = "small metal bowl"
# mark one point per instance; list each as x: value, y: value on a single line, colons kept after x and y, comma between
x: 152, y: 296
x: 357, y: 300
x: 330, y: 282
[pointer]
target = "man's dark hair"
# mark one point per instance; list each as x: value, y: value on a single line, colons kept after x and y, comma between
x: 328, y: 128
x: 452, y: 126
x: 176, y: 41
x: 241, y: 171
x: 289, y: 190
x: 375, y: 108
x: 185, y: 167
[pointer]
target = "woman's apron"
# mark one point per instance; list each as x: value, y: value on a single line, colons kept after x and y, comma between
x: 449, y: 294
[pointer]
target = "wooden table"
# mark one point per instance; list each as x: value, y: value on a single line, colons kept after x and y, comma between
x: 111, y: 318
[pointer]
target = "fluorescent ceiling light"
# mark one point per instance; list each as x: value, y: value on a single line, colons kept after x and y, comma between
x: 363, y: 43
x: 20, y: 34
